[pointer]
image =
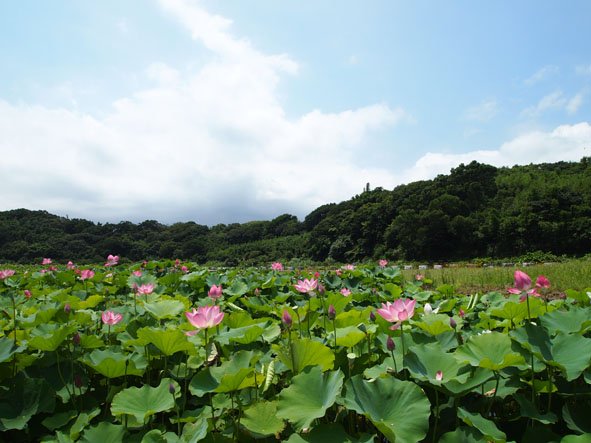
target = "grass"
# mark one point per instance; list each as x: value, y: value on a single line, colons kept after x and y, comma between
x: 572, y: 274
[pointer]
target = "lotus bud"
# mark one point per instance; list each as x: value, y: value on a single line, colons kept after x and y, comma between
x: 286, y: 319
x: 439, y: 376
x: 372, y: 317
x: 67, y: 308
x: 78, y: 381
x: 390, y: 344
x: 76, y: 339
x: 332, y: 313
x: 28, y: 293
x: 171, y: 388
x: 321, y: 289
x: 452, y: 323
x: 461, y: 313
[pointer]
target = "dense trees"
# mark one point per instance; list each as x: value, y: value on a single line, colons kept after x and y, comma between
x: 475, y: 211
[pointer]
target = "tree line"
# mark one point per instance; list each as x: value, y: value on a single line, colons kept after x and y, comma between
x: 477, y: 210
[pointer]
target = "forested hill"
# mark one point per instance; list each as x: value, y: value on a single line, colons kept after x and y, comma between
x: 475, y: 211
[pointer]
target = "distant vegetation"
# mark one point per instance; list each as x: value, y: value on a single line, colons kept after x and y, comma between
x: 476, y: 211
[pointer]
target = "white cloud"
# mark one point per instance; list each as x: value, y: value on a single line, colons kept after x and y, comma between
x: 212, y: 145
x: 541, y: 74
x: 482, y: 112
x: 555, y: 100
x: 565, y: 143
x: 583, y: 70
x: 574, y: 103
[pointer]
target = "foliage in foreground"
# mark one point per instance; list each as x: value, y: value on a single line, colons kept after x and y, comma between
x: 171, y: 353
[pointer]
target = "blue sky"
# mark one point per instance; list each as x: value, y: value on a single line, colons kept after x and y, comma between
x: 229, y: 111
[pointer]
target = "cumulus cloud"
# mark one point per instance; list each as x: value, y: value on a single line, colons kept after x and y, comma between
x: 564, y: 143
x: 211, y: 145
x: 555, y: 100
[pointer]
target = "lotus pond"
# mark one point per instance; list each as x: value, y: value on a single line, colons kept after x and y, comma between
x: 171, y: 352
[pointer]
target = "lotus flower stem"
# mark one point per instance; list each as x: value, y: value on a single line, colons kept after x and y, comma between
x: 402, y: 339
x: 323, y: 311
x: 527, y: 302
x: 492, y: 400
x: 299, y: 322
x: 334, y: 327
x: 533, y: 387
x: 549, y: 387
x: 291, y: 351
x: 436, y: 414
x: 308, y: 315
x: 394, y: 360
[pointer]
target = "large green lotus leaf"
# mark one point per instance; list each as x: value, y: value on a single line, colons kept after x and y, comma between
x: 144, y: 402
x: 28, y: 396
x: 162, y: 309
x: 82, y: 421
x: 491, y: 351
x: 240, y: 319
x: 111, y: 364
x: 350, y: 318
x: 39, y: 317
x: 308, y: 397
x: 424, y: 361
x: 260, y: 419
x: 7, y: 348
x: 90, y: 303
x: 573, y: 320
x: 203, y: 382
x: 515, y: 312
x: 244, y: 378
x: 339, y: 302
x: 434, y: 324
x: 329, y: 433
x: 194, y: 432
x: 244, y: 335
x: 393, y: 289
x: 529, y: 410
x: 306, y: 353
x: 572, y: 353
x: 58, y: 420
x: 48, y: 337
x: 91, y: 341
x: 477, y: 378
x: 347, y: 337
x: 534, y: 338
x: 463, y: 435
x: 399, y: 409
x: 486, y: 427
x: 230, y: 376
x: 104, y: 432
x: 168, y: 341
x: 237, y: 288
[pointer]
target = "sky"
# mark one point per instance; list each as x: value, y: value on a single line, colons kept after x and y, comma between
x: 230, y: 111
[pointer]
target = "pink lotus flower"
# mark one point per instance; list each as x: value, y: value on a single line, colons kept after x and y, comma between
x: 346, y: 292
x: 111, y: 318
x: 70, y: 265
x: 46, y: 261
x: 184, y: 269
x: 461, y: 313
x: 28, y: 293
x: 349, y: 267
x: 542, y: 282
x: 306, y: 285
x: 145, y: 289
x: 399, y: 311
x: 137, y: 273
x: 419, y: 277
x: 383, y: 263
x: 215, y: 292
x: 439, y: 376
x: 86, y: 274
x: 205, y: 317
x: 277, y: 266
x: 6, y: 273
x: 522, y: 285
x: 338, y: 272
x: 112, y: 260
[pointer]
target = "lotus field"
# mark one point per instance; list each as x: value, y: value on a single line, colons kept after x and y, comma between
x: 172, y: 352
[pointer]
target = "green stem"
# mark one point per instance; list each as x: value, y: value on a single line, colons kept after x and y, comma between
x: 323, y: 312
x: 334, y: 326
x: 549, y: 387
x: 533, y: 388
x: 527, y: 301
x: 299, y: 323
x: 394, y: 360
x: 436, y: 414
x: 308, y: 315
x: 293, y: 366
x: 492, y: 400
x: 402, y: 339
